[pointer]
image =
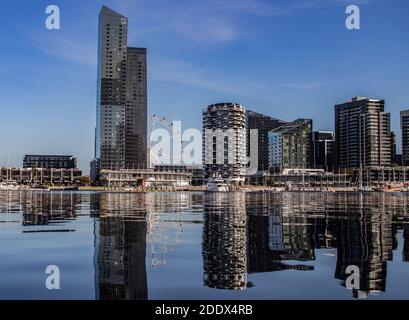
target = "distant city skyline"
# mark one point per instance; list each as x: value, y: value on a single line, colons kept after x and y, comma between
x: 288, y: 60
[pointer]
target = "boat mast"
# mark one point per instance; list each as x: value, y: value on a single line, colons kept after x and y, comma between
x: 7, y: 170
x: 360, y: 177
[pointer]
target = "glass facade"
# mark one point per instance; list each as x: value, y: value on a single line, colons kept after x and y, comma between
x: 121, y: 132
x: 136, y: 110
x: 289, y: 146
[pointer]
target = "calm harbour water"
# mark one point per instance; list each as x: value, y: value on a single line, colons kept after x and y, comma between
x: 203, y: 246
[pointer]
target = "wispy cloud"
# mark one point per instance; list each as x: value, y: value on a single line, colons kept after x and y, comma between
x: 205, y: 29
x: 216, y: 21
x: 77, y: 52
x: 69, y: 48
x: 250, y: 6
x: 195, y: 22
x: 281, y: 7
x: 191, y: 75
x: 311, y: 85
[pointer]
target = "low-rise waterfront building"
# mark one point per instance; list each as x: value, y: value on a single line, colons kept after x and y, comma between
x: 146, y: 178
x: 41, y: 176
x: 376, y: 175
x: 50, y: 161
x: 195, y: 170
x: 306, y: 179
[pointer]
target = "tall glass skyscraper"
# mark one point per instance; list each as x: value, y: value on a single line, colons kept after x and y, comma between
x: 121, y: 132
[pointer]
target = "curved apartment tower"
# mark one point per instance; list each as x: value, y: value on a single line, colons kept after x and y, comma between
x: 224, y: 142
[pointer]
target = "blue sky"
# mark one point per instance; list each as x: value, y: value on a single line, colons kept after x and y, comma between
x: 285, y: 58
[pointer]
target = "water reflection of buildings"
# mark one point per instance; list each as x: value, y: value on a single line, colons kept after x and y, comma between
x: 120, y: 229
x: 120, y: 246
x: 242, y: 233
x: 283, y: 232
x: 274, y: 236
x: 165, y: 222
x: 366, y: 241
x: 41, y: 208
x: 243, y: 236
x: 129, y: 229
x: 405, y: 252
x: 224, y: 241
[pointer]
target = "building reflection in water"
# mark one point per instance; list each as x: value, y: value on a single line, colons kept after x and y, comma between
x: 405, y: 252
x: 243, y: 233
x: 266, y: 232
x: 125, y: 226
x: 224, y: 241
x: 120, y: 246
x: 366, y: 241
x: 276, y: 236
x: 42, y: 208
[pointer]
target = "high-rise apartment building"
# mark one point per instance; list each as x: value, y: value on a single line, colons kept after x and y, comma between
x: 264, y: 124
x: 224, y: 142
x: 289, y: 146
x: 404, y: 125
x: 136, y: 116
x: 362, y: 133
x: 121, y: 132
x: 394, y: 160
x: 323, y: 146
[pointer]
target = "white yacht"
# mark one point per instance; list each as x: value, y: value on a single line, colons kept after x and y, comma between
x: 9, y: 186
x: 217, y: 185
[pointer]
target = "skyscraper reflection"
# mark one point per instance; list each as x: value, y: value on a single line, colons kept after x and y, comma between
x: 366, y: 240
x: 243, y: 234
x: 405, y: 253
x: 268, y: 232
x: 224, y: 241
x: 274, y: 236
x: 120, y: 253
x: 126, y: 224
